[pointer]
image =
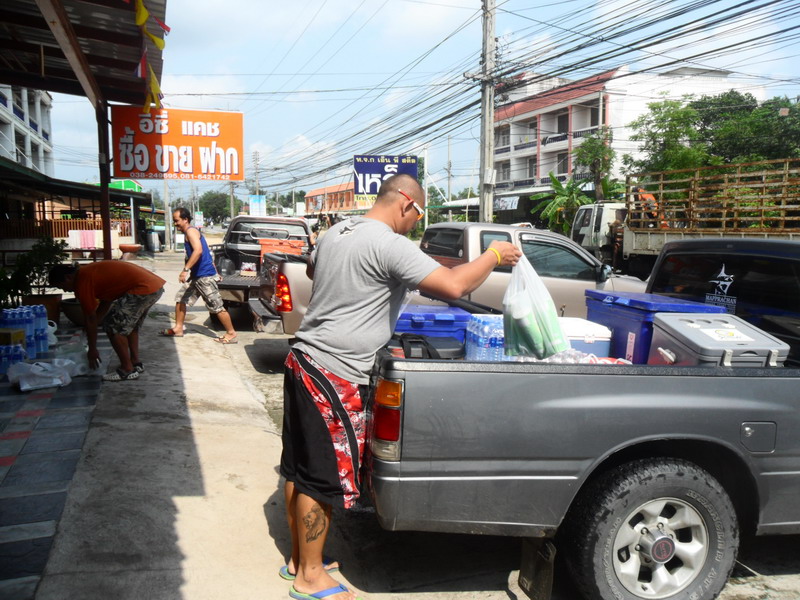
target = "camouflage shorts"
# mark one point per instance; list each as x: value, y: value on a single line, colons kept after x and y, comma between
x: 205, y: 287
x: 127, y: 313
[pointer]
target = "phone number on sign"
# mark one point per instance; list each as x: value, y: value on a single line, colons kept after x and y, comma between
x: 210, y: 177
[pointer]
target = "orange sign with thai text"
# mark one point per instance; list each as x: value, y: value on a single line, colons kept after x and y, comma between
x: 177, y: 144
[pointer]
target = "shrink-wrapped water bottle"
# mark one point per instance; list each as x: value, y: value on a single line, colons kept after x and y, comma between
x: 41, y: 316
x: 496, y: 339
x: 41, y: 342
x: 5, y: 359
x: 17, y: 354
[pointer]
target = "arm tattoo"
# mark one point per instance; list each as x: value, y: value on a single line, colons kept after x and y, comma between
x: 315, y: 522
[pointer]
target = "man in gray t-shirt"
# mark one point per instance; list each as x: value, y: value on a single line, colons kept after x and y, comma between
x: 362, y: 269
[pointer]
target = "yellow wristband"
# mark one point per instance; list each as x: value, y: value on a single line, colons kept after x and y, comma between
x: 497, y: 253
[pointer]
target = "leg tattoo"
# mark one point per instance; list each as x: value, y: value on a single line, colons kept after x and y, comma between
x: 315, y: 522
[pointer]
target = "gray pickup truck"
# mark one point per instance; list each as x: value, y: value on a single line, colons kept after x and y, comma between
x: 645, y: 477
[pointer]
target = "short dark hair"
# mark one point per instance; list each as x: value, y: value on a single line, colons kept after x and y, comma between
x: 183, y: 212
x: 59, y: 273
x: 395, y: 182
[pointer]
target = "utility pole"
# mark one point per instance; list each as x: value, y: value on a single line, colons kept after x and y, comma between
x: 425, y: 180
x: 167, y: 218
x: 255, y: 160
x: 231, y: 194
x: 449, y: 171
x: 487, y: 174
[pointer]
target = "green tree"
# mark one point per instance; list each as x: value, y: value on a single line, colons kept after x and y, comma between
x: 595, y: 153
x: 767, y: 132
x: 559, y: 206
x: 216, y: 205
x: 670, y: 138
x: 467, y: 192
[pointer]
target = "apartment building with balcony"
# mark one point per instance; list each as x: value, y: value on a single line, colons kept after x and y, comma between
x: 539, y: 127
x: 25, y: 128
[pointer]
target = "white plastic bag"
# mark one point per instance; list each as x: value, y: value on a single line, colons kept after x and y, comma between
x: 530, y: 319
x: 38, y: 375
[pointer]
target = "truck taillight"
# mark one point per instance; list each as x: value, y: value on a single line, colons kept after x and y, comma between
x: 283, y: 295
x: 386, y: 419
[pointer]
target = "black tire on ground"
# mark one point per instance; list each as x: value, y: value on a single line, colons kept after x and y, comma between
x: 652, y: 529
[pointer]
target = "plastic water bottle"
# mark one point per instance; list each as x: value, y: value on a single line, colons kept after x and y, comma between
x: 496, y: 339
x: 17, y: 354
x: 41, y: 316
x: 469, y: 341
x: 41, y: 342
x: 484, y: 340
x: 27, y: 315
x: 30, y: 346
x: 5, y: 359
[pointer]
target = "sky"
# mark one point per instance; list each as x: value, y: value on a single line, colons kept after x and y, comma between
x: 321, y: 80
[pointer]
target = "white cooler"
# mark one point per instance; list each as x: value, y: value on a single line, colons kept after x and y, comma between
x: 586, y: 336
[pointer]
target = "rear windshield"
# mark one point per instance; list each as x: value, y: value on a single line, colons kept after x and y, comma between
x: 245, y: 232
x: 745, y: 285
x: 443, y: 242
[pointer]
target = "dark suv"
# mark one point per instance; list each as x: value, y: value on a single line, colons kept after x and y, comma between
x: 757, y: 280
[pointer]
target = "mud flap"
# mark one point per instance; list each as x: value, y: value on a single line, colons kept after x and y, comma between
x: 536, y: 568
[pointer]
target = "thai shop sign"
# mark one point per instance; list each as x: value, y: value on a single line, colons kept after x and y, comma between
x: 369, y: 171
x: 177, y: 144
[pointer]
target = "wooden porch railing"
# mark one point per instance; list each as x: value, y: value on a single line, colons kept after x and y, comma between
x: 59, y: 228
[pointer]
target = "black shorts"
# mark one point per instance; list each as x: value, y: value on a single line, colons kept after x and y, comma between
x: 323, y: 432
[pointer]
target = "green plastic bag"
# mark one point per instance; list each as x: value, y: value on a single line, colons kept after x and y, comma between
x: 530, y: 319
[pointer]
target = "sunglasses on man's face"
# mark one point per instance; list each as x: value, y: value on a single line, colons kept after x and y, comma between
x: 417, y: 207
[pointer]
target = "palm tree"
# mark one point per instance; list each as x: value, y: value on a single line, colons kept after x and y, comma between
x: 559, y: 206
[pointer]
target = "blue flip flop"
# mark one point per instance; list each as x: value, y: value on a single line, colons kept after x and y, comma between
x: 293, y: 593
x: 284, y: 570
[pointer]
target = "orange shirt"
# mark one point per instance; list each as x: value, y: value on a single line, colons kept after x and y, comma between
x: 111, y: 279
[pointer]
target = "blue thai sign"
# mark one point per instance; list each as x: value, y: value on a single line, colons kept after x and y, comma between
x: 369, y: 171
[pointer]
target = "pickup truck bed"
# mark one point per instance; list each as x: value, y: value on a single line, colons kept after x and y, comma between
x: 527, y: 449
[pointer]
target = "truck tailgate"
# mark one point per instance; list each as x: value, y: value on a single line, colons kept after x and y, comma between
x: 239, y: 281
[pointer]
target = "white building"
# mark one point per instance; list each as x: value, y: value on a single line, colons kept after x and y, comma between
x: 541, y: 125
x: 25, y: 128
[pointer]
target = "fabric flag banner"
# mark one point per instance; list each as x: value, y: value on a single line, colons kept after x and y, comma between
x: 141, y: 13
x: 163, y: 25
x: 155, y: 89
x: 141, y: 68
x: 159, y: 43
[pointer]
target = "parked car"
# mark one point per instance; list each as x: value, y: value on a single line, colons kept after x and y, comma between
x: 566, y: 269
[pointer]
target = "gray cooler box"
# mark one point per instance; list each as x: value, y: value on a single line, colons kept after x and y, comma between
x: 701, y: 339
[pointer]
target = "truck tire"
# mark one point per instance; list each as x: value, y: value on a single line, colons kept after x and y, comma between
x: 652, y: 529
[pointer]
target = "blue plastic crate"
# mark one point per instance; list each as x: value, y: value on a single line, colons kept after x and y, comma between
x: 435, y: 321
x: 629, y: 316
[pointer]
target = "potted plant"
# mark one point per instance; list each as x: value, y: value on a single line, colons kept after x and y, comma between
x: 26, y: 281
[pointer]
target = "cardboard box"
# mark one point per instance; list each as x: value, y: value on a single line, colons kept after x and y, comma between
x: 9, y: 337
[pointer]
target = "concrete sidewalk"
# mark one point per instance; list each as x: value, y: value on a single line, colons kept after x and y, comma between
x: 176, y: 479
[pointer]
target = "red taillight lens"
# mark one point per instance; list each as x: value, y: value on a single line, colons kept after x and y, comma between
x: 386, y: 413
x: 283, y: 295
x: 387, y: 423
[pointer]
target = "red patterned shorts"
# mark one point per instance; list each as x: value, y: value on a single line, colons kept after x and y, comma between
x: 323, y: 432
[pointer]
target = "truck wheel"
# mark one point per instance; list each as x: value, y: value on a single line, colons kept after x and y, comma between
x: 652, y: 529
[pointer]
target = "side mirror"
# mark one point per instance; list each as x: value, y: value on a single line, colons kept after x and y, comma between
x: 603, y: 273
